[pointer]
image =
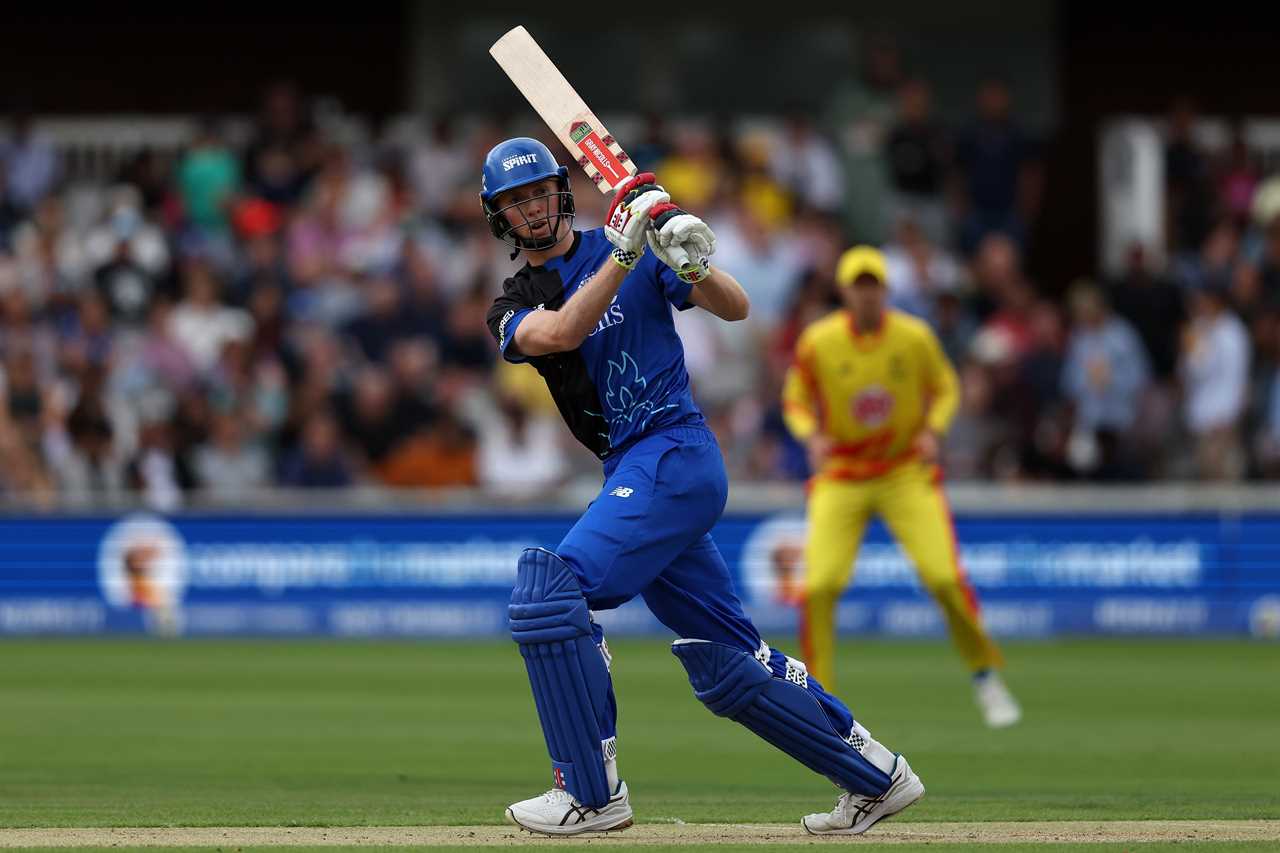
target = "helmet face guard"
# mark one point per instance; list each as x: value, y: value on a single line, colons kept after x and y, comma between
x: 516, y: 163
x: 503, y: 221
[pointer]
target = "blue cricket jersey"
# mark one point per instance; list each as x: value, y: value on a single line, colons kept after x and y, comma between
x: 628, y: 378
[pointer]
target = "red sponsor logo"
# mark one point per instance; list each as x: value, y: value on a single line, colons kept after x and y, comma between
x: 597, y: 152
x: 558, y: 775
x: 873, y: 406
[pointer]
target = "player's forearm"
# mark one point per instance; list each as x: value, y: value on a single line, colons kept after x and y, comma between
x: 938, y: 424
x: 943, y: 409
x: 582, y: 313
x: 801, y: 422
x: 544, y: 332
x: 797, y: 407
x: 721, y: 294
x: 944, y: 389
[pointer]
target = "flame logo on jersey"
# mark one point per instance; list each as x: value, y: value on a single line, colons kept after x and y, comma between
x: 624, y: 389
x: 873, y: 406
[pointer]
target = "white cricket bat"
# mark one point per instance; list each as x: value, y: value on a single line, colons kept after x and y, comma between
x: 563, y: 109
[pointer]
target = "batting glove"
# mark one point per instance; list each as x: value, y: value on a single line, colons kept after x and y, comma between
x: 682, y: 241
x: 628, y: 217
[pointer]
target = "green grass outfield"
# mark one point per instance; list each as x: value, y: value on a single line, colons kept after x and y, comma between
x: 202, y: 733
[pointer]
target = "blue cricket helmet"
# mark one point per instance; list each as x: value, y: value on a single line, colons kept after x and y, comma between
x: 515, y: 163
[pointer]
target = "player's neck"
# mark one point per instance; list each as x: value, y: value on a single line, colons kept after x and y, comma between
x: 868, y: 325
x: 539, y: 257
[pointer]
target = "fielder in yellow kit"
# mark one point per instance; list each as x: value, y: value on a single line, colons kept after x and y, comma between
x: 871, y: 394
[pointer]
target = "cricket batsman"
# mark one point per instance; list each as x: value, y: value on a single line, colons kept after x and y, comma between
x: 871, y: 394
x: 592, y: 312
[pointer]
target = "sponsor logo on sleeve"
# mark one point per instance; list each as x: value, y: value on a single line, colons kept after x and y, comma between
x: 502, y: 327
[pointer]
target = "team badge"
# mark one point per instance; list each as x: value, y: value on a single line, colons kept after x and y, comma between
x: 873, y: 406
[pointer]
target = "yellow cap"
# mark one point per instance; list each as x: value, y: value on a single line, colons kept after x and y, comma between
x: 859, y: 261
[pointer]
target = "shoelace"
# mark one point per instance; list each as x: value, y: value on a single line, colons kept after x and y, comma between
x: 557, y: 795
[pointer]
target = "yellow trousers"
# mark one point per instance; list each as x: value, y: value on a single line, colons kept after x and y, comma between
x: 910, y: 501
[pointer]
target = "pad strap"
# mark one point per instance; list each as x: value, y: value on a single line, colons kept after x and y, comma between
x: 735, y: 684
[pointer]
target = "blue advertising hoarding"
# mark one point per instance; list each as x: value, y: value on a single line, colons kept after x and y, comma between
x: 359, y: 575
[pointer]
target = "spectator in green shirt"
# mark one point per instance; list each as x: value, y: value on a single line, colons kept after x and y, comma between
x: 208, y: 178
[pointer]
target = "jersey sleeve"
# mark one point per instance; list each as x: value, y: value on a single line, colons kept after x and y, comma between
x: 801, y: 403
x: 942, y: 384
x: 505, y: 315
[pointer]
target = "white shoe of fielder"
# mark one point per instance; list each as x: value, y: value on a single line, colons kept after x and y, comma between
x: 999, y: 708
x: 557, y: 813
x: 854, y: 814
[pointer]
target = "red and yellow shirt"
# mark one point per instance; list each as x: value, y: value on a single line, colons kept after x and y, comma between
x: 870, y: 393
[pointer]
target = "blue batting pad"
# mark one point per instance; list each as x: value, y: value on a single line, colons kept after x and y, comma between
x: 571, y: 687
x: 736, y: 685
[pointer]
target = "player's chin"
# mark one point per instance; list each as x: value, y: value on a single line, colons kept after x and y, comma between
x: 543, y: 237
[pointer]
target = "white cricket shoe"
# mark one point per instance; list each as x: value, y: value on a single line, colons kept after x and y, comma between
x: 855, y: 814
x: 997, y: 704
x: 557, y: 813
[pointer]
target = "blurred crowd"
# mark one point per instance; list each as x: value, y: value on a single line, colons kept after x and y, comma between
x: 302, y: 311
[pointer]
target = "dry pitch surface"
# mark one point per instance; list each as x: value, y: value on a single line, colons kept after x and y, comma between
x: 727, y: 834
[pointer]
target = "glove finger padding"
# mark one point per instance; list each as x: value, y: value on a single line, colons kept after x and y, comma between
x: 629, y: 213
x: 702, y: 245
x: 673, y: 256
x: 642, y: 206
x: 689, y: 265
x: 676, y: 226
x: 690, y: 229
x: 620, y: 197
